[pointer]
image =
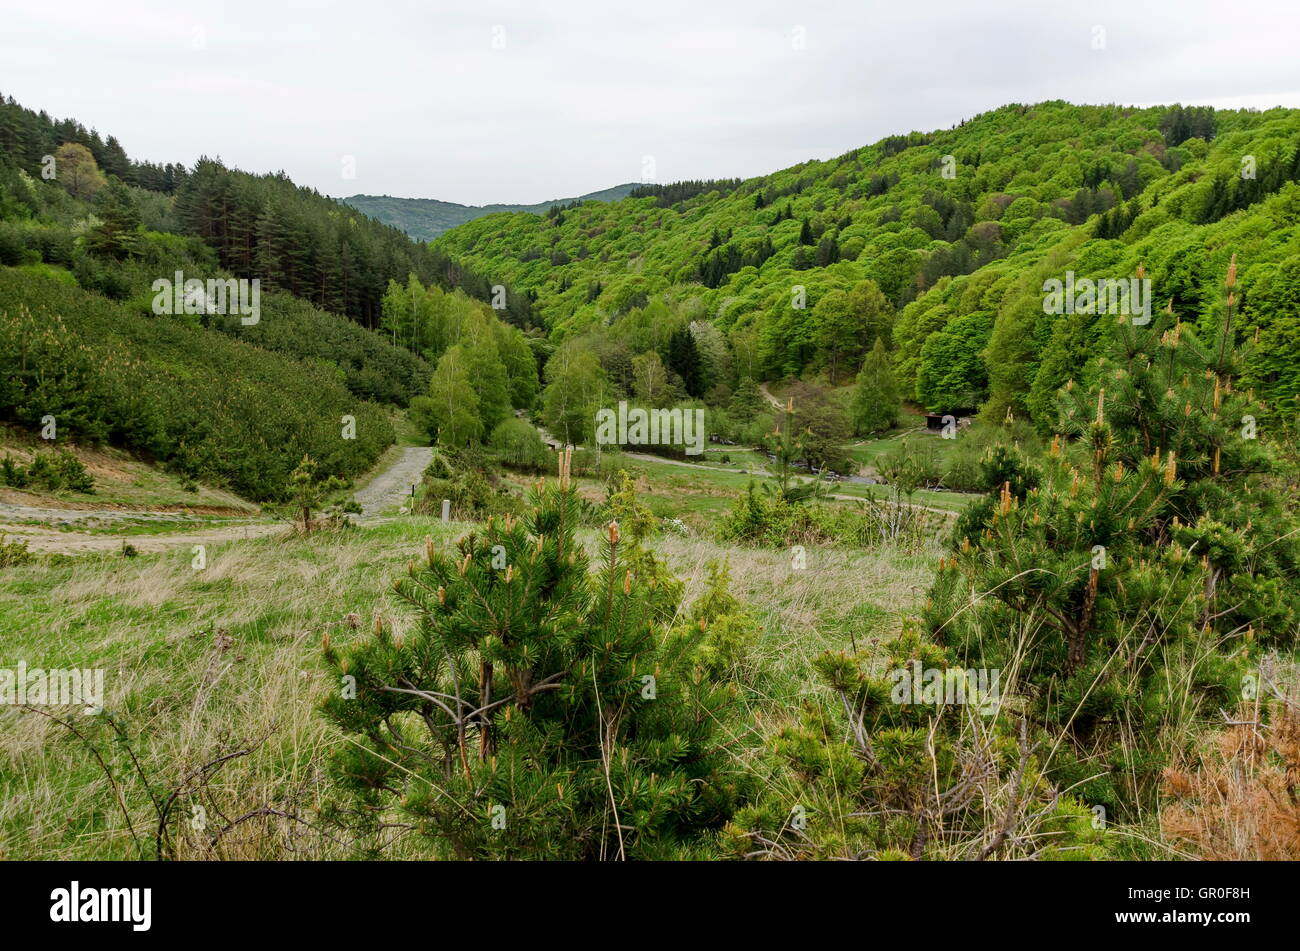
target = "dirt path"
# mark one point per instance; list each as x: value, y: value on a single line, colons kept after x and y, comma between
x: 74, y: 543
x: 386, y: 489
x: 12, y: 513
x: 650, y: 457
x: 762, y: 388
x: 393, y: 485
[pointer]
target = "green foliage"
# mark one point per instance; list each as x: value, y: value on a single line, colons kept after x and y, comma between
x: 576, y: 386
x: 464, y: 478
x: 454, y: 416
x: 1039, y: 189
x: 296, y: 240
x: 951, y: 375
x: 212, y: 408
x: 308, y: 494
x: 535, y: 711
x: 683, y: 359
x: 12, y: 474
x: 116, y: 234
x: 876, y: 397
x: 636, y: 526
x: 901, y: 785
x: 14, y: 553
x: 55, y: 470
x: 770, y: 520
x: 517, y: 444
x: 372, y: 367
x: 1128, y: 575
x: 731, y: 630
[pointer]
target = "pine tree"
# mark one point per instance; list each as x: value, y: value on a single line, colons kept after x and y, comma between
x: 684, y: 360
x: 534, y: 711
x: 1127, y: 575
x: 308, y: 494
x: 117, y: 235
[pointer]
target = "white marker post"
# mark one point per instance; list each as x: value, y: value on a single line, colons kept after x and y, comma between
x: 446, y: 510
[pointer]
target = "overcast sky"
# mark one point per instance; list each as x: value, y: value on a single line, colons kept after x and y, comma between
x: 477, y: 101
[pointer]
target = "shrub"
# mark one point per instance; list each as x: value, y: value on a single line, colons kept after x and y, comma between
x: 13, y: 553
x: 768, y: 519
x: 13, y: 475
x: 912, y: 781
x: 534, y: 711
x: 637, y: 526
x: 730, y: 630
x: 465, y: 479
x: 517, y: 444
x: 72, y: 472
x: 309, y: 493
x: 1130, y: 572
x: 49, y: 470
x: 1238, y: 797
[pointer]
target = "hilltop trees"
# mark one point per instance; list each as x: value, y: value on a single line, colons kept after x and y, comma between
x: 1035, y: 191
x: 295, y: 239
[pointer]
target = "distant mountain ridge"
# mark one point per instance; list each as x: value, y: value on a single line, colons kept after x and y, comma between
x: 426, y: 218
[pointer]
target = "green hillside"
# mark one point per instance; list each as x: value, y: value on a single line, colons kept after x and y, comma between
x: 426, y: 218
x: 656, y: 555
x: 233, y: 399
x: 958, y: 229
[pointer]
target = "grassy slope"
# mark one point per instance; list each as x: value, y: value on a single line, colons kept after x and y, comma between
x: 122, y: 481
x: 202, y: 663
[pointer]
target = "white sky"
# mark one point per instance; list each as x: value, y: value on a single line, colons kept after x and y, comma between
x: 583, y: 90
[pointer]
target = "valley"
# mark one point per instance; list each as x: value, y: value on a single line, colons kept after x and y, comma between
x: 629, y: 639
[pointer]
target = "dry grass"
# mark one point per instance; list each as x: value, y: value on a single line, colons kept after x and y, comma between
x: 1240, y: 797
x: 221, y: 662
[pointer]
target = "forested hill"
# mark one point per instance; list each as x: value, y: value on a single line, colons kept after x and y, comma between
x: 426, y: 218
x: 349, y: 317
x: 940, y: 243
x: 289, y: 237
